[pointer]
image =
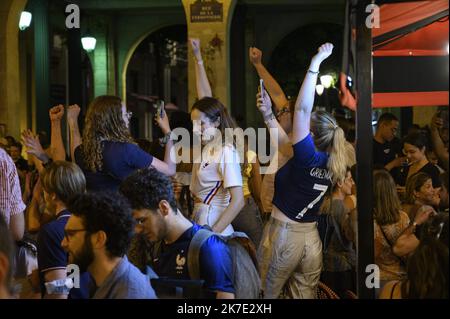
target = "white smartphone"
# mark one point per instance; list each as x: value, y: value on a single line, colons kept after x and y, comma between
x: 261, y: 87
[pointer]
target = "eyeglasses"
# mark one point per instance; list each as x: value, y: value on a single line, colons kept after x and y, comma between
x: 71, y: 232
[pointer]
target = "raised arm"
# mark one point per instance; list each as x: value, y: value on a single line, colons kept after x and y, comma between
x: 201, y: 79
x: 274, y: 89
x: 34, y: 147
x: 167, y: 167
x: 58, y: 152
x: 73, y: 111
x: 305, y: 99
x: 265, y: 107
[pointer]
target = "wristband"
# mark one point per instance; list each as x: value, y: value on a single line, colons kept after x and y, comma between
x: 59, y: 286
x: 164, y: 140
x: 313, y: 72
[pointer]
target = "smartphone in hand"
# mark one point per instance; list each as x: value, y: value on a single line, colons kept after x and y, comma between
x: 261, y: 87
x: 159, y: 106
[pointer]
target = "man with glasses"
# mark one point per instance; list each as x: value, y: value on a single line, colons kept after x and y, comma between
x: 97, y: 237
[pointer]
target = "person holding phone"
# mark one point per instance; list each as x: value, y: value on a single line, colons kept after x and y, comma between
x: 290, y: 253
x: 108, y: 153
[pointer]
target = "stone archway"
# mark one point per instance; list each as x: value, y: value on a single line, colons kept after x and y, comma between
x: 11, y: 112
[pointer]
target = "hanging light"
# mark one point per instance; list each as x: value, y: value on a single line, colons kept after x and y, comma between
x: 319, y: 89
x: 88, y: 42
x: 25, y: 20
x: 326, y: 81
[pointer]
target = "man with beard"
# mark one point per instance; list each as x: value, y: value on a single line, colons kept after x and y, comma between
x: 97, y: 237
x: 157, y: 218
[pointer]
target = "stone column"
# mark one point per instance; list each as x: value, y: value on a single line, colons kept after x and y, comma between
x: 209, y: 20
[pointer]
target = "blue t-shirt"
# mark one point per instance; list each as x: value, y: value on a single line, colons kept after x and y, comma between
x: 51, y: 256
x: 215, y: 261
x: 302, y: 182
x: 119, y: 161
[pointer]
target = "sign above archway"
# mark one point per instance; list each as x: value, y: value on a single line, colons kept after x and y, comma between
x: 209, y: 21
x: 206, y: 11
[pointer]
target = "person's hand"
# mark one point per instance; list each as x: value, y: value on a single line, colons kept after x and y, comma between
x: 73, y: 111
x: 423, y: 214
x: 255, y: 55
x: 264, y: 104
x: 163, y: 121
x: 323, y: 52
x: 195, y: 44
x: 400, y: 161
x: 56, y: 113
x: 436, y: 122
x: 34, y: 147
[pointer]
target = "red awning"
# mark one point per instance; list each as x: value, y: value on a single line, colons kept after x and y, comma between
x: 431, y: 40
x: 407, y: 29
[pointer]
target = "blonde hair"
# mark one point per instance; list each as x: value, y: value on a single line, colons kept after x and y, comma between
x: 64, y: 179
x: 386, y: 205
x: 329, y: 137
x: 104, y: 122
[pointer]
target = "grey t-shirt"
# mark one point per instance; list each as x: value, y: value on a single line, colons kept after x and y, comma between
x: 125, y: 282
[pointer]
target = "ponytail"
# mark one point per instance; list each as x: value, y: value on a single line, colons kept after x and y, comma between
x: 337, y: 162
x: 329, y: 137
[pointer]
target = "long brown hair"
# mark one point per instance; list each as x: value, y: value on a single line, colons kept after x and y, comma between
x: 386, y: 204
x: 215, y: 110
x: 329, y: 137
x: 104, y: 122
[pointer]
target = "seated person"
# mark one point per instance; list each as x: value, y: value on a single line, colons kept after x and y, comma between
x: 427, y: 268
x: 419, y: 192
x: 415, y: 146
x: 155, y: 211
x: 96, y: 237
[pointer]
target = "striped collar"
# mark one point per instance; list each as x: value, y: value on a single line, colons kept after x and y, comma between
x: 62, y: 214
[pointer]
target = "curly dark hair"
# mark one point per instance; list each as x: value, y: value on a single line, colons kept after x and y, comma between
x: 109, y: 212
x: 146, y: 187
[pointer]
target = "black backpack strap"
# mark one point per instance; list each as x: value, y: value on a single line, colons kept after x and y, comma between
x: 193, y: 256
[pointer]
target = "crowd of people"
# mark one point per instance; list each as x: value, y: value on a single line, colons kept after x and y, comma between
x: 115, y: 218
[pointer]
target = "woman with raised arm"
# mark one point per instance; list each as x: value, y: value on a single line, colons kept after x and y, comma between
x: 281, y: 103
x: 108, y: 153
x: 290, y: 253
x: 216, y: 182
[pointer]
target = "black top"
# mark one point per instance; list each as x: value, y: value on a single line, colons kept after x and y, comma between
x: 382, y: 153
x: 429, y: 168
